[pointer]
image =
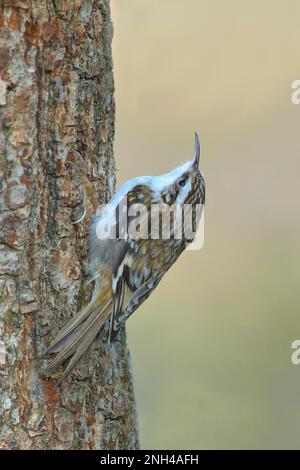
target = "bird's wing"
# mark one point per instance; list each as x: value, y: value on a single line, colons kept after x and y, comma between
x: 134, y: 278
x: 140, y: 295
x: 122, y: 290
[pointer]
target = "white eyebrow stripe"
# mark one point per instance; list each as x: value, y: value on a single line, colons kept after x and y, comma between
x: 158, y: 183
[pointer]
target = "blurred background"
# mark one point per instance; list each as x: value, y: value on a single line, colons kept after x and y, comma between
x: 211, y: 348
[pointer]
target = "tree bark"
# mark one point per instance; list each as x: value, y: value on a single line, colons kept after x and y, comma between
x: 56, y: 159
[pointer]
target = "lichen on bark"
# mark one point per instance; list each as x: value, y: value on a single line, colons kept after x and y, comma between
x: 56, y: 159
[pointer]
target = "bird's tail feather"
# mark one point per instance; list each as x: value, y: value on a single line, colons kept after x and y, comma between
x: 75, y: 338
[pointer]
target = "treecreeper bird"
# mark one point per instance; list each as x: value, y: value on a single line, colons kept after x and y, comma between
x: 133, y: 242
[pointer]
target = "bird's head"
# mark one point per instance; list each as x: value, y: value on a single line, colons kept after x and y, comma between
x: 185, y: 184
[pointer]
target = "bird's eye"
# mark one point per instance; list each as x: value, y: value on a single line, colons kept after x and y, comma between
x: 182, y: 183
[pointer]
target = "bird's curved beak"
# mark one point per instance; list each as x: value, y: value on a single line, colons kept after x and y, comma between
x: 196, y: 157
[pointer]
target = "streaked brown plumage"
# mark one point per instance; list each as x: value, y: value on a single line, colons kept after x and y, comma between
x: 125, y: 269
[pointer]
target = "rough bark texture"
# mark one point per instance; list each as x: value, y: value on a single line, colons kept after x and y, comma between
x: 56, y: 158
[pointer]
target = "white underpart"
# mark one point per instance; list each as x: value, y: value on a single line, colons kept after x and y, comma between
x: 159, y: 183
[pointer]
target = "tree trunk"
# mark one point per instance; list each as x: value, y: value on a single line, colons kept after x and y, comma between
x: 56, y: 159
